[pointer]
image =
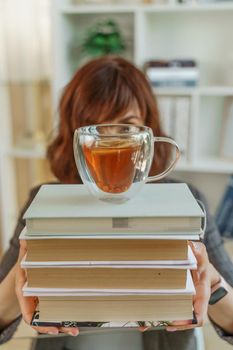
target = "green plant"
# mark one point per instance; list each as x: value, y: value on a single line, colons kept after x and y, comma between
x: 102, y: 39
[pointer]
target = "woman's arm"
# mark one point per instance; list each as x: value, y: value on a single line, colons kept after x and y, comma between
x: 221, y: 313
x: 206, y: 280
x: 214, y: 243
x: 9, y: 306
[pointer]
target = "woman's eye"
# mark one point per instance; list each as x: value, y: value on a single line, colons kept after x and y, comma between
x: 131, y: 121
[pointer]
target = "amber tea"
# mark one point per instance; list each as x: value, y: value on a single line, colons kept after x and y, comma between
x: 112, y: 166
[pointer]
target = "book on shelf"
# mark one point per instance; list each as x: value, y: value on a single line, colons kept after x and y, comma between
x: 119, y: 250
x: 224, y: 212
x: 107, y: 275
x: 175, y: 119
x: 158, y: 304
x: 163, y: 63
x: 172, y: 73
x: 181, y: 124
x: 72, y: 210
x: 226, y: 145
x: 166, y: 113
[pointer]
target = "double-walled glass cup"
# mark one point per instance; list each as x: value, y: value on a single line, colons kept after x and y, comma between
x: 114, y: 160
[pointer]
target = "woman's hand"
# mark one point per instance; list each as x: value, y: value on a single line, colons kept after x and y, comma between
x: 202, y: 278
x: 28, y: 305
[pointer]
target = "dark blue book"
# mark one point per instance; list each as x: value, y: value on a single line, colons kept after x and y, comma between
x: 224, y: 214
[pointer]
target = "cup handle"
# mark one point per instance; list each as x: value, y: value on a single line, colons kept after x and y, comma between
x: 171, y: 166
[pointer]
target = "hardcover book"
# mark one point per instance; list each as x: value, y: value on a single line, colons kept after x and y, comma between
x: 119, y: 250
x: 71, y: 209
x: 93, y: 327
x: 102, y: 306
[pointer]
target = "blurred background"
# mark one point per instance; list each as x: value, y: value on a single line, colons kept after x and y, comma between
x: 185, y: 49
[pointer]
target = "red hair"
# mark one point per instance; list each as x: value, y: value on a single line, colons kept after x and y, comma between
x: 102, y: 89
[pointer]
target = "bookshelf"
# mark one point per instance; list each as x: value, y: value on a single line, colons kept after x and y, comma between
x: 166, y: 30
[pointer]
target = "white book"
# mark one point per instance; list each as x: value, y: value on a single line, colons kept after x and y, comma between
x: 71, y: 209
x: 181, y: 124
x: 172, y: 73
x: 166, y: 112
x: 226, y: 150
x: 173, y: 236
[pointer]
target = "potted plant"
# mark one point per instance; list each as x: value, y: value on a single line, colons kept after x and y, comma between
x: 102, y: 39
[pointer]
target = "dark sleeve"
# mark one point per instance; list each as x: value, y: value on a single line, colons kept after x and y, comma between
x: 11, y: 255
x: 225, y: 336
x: 7, y: 333
x: 9, y: 260
x: 218, y: 256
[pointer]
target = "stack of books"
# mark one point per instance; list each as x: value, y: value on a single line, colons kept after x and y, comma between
x: 90, y: 261
x: 172, y: 73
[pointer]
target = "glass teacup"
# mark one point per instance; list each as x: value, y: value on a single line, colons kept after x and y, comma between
x: 114, y: 160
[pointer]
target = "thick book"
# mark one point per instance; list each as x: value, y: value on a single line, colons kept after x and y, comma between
x: 86, y: 279
x: 118, y: 306
x: 99, y: 275
x: 71, y: 249
x: 121, y: 308
x: 93, y: 327
x: 71, y: 209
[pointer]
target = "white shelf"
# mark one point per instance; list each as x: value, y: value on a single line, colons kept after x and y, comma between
x: 223, y: 6
x: 116, y: 8
x: 207, y: 165
x: 101, y: 8
x: 215, y: 90
x: 201, y: 90
x: 27, y: 153
x: 175, y: 91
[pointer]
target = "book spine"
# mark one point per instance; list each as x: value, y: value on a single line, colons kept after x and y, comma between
x: 181, y: 124
x: 224, y: 217
x: 172, y: 73
x: 176, y: 83
x: 165, y: 106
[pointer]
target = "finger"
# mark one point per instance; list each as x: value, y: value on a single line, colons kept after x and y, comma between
x: 70, y: 330
x: 181, y: 323
x: 28, y: 307
x: 143, y: 329
x: 27, y: 304
x: 201, y: 299
x: 46, y: 330
x: 23, y: 249
x: 181, y: 328
x: 200, y: 253
x: 201, y: 280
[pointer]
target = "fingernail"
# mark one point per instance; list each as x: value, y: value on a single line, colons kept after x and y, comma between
x: 73, y: 333
x: 171, y: 329
x: 53, y: 332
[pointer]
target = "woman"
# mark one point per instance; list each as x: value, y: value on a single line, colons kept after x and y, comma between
x: 111, y: 90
